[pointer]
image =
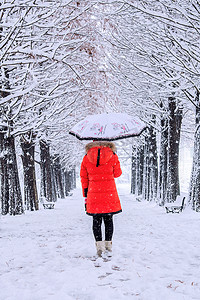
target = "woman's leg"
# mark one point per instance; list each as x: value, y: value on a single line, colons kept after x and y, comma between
x: 109, y: 227
x: 97, y: 221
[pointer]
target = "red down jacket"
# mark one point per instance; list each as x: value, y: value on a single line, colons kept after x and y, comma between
x: 98, y: 169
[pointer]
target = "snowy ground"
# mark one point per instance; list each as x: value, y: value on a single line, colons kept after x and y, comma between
x: 49, y: 254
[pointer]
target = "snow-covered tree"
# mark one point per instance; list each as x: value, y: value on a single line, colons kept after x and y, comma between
x: 49, y: 75
x: 155, y: 57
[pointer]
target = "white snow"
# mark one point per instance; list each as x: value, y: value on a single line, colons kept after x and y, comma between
x: 49, y: 254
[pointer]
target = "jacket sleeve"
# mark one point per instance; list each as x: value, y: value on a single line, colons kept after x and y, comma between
x: 116, y: 168
x: 84, y: 178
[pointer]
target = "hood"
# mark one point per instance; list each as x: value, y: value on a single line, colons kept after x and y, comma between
x: 99, y: 153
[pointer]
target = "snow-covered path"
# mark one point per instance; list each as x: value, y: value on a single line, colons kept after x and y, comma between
x: 49, y: 254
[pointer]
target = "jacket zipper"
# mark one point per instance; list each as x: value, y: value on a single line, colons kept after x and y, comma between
x: 98, y: 157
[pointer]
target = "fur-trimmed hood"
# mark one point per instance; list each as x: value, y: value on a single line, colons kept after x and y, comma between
x: 100, y: 144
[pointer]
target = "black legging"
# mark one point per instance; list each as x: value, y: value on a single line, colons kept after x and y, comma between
x: 108, y: 221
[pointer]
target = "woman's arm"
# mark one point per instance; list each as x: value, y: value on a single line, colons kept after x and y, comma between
x: 84, y: 178
x: 116, y: 168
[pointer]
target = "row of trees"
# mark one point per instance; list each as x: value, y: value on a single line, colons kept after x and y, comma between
x: 156, y: 58
x: 61, y: 60
x: 56, y: 180
x: 48, y: 73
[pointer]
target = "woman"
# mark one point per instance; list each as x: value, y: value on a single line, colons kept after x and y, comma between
x: 99, y: 167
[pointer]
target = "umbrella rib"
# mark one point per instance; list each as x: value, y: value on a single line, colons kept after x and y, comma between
x: 108, y: 139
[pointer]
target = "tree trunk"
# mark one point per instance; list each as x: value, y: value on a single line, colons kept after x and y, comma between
x: 150, y: 176
x: 133, y: 170
x: 4, y: 177
x: 67, y: 184
x: 138, y: 173
x: 47, y: 191
x: 58, y: 177
x: 194, y: 194
x: 153, y: 163
x: 174, y: 127
x: 74, y: 177
x: 140, y: 169
x: 30, y: 188
x: 163, y: 161
x: 53, y: 182
x: 146, y: 170
x: 11, y: 198
x: 68, y: 175
x: 70, y: 178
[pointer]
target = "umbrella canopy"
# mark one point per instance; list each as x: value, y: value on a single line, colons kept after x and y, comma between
x: 108, y: 127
